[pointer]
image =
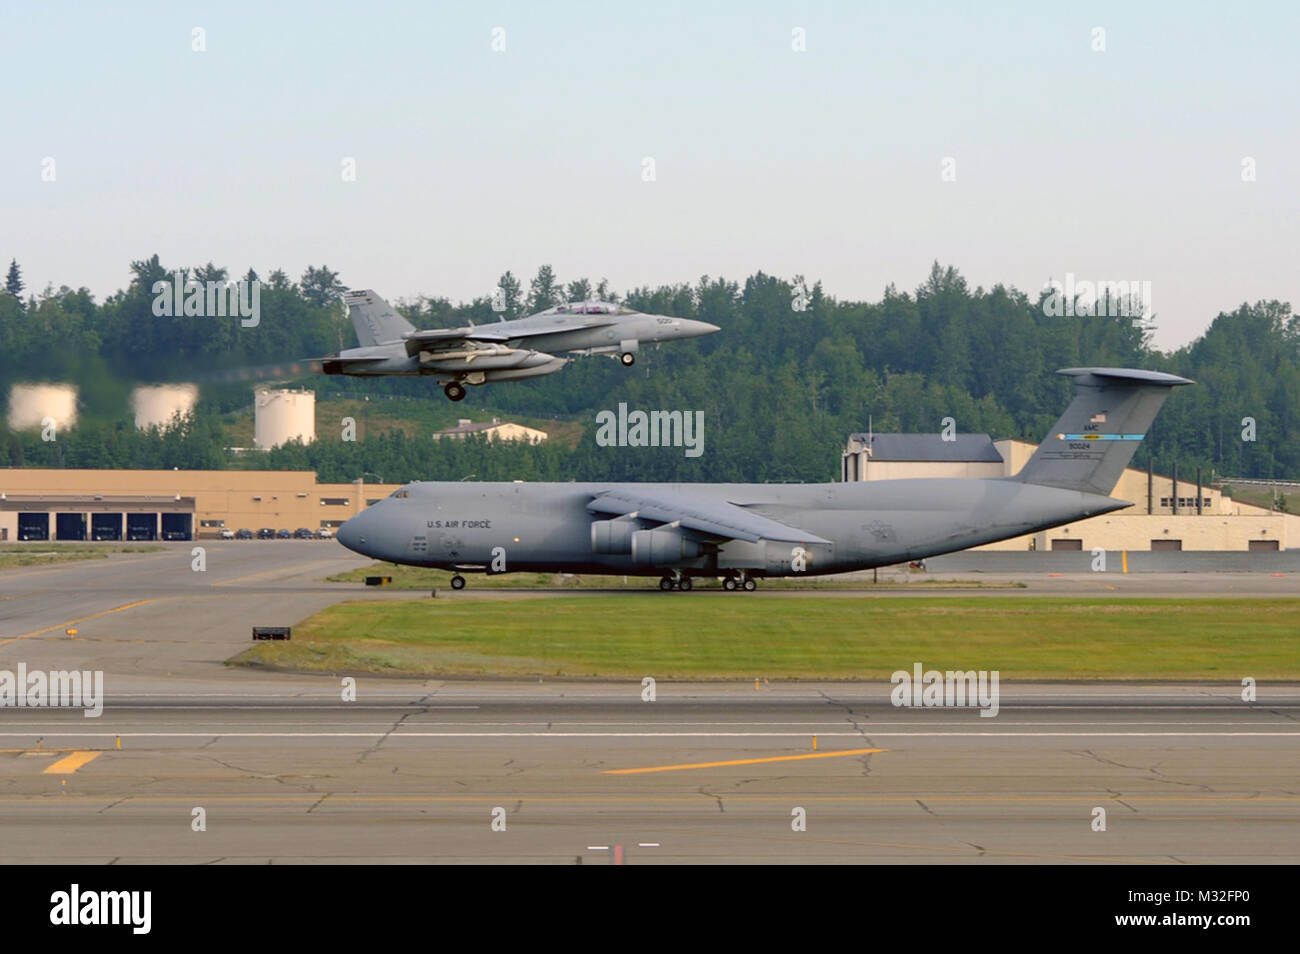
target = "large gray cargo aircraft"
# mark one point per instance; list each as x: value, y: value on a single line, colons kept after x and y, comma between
x: 742, y: 532
x: 502, y: 351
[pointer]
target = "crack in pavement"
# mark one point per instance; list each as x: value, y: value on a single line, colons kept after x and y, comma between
x: 384, y: 738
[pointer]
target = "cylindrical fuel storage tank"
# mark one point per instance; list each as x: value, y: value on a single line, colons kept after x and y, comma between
x: 282, y: 415
x: 42, y: 405
x: 158, y: 405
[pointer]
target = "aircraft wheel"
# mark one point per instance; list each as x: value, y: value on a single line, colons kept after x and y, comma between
x: 457, y: 582
x: 684, y: 584
x: 729, y: 584
x: 750, y: 585
x: 628, y: 359
x: 666, y: 583
x: 455, y: 391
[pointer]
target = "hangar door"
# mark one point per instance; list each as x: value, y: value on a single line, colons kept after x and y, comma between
x: 33, y: 526
x: 70, y: 526
x: 141, y: 526
x: 106, y: 526
x: 176, y: 526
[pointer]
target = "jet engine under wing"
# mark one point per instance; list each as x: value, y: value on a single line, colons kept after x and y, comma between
x: 703, y: 514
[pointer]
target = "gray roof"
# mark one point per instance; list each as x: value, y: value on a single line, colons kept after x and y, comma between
x: 931, y: 447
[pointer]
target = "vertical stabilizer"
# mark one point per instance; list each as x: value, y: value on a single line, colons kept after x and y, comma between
x: 1096, y: 437
x: 374, y: 319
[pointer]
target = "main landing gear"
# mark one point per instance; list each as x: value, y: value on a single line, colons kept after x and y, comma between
x: 457, y: 582
x: 627, y: 358
x: 741, y: 582
x: 675, y: 582
x: 455, y: 391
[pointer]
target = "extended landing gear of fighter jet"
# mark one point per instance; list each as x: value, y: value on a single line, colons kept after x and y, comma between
x: 627, y: 358
x: 457, y: 582
x: 455, y: 392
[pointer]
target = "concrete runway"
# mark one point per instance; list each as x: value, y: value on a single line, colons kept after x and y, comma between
x: 412, y: 770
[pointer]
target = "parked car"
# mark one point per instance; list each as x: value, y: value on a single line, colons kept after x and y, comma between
x: 266, y: 533
x: 226, y: 533
x: 243, y: 533
x: 325, y: 533
x: 283, y: 535
x: 302, y: 533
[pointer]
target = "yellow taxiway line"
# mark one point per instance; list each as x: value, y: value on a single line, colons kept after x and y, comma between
x: 73, y: 622
x: 775, y: 758
x: 70, y: 763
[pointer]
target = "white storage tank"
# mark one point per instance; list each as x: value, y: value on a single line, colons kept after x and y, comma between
x: 158, y: 405
x: 281, y: 415
x: 31, y: 404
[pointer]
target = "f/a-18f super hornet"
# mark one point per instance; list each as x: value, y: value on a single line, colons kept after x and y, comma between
x: 502, y: 351
x: 742, y: 532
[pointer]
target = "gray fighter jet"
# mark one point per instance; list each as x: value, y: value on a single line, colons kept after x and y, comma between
x: 504, y: 351
x: 742, y: 532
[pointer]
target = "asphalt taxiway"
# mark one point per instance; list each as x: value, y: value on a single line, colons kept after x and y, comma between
x: 283, y: 769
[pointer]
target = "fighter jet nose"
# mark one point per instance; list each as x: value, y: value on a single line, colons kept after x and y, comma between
x: 695, y: 329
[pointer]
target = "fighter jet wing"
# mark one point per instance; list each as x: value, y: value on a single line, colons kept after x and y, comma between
x: 704, y: 514
x: 440, y: 338
x: 443, y: 338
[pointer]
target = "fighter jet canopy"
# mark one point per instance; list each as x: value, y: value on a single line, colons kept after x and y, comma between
x: 589, y: 308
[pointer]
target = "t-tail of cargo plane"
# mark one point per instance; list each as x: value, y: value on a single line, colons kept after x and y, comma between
x: 1099, y: 432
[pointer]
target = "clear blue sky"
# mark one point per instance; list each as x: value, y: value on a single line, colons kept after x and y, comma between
x: 1123, y: 164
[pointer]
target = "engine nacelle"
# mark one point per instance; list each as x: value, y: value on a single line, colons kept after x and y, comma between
x: 663, y: 547
x: 612, y: 536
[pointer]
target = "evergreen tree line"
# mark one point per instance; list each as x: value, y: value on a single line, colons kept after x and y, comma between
x: 790, y: 375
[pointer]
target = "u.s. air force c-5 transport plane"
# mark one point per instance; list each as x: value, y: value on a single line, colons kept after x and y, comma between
x: 742, y: 532
x: 502, y: 351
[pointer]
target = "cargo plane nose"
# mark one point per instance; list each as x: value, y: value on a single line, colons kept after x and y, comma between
x: 354, y: 532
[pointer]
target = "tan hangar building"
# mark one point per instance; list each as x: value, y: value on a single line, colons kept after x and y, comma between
x: 58, y: 504
x: 1166, y: 515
